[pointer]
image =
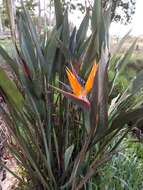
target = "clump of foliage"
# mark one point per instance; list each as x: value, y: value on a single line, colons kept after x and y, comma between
x: 125, y: 169
x: 121, y: 11
x: 58, y: 142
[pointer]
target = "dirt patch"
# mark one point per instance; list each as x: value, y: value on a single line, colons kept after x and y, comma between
x: 7, y: 180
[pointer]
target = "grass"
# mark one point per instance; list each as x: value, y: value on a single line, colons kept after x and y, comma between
x: 125, y: 170
x: 134, y: 65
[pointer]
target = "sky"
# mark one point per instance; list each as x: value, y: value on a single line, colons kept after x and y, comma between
x: 136, y: 25
x: 116, y: 28
x: 120, y: 30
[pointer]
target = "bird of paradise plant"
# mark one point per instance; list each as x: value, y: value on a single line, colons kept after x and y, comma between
x: 59, y: 145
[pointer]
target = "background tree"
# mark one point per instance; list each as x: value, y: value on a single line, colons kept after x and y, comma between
x: 11, y: 9
x: 1, y: 26
x: 122, y: 11
x: 29, y: 4
x: 42, y: 11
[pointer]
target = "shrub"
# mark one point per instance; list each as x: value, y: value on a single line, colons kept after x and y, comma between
x: 59, y: 138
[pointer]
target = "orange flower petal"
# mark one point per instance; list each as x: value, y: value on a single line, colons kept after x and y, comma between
x: 90, y: 80
x: 75, y: 85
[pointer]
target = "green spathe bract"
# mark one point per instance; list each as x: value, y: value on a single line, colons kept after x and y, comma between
x: 59, y: 144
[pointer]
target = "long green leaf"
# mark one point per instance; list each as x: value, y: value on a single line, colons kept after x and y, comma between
x: 127, y: 117
x: 121, y: 64
x: 8, y: 60
x: 82, y: 31
x: 12, y: 93
x: 65, y: 30
x: 137, y: 83
x: 103, y: 90
x: 35, y: 38
x: 96, y: 15
x: 58, y: 12
x: 125, y: 59
x: 67, y: 156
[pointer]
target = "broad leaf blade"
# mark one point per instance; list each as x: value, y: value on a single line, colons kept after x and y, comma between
x: 58, y: 12
x: 11, y: 91
x: 82, y: 31
x: 137, y: 83
x: 8, y: 59
x: 125, y: 59
x: 67, y: 156
x: 96, y: 15
x: 103, y: 90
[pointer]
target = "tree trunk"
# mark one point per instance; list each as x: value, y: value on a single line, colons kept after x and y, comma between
x: 39, y: 7
x: 11, y: 7
x: 39, y: 20
x: 1, y: 26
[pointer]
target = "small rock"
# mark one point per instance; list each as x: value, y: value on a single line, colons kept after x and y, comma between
x: 3, y: 175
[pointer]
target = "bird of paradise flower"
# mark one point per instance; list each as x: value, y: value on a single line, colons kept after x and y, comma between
x: 79, y: 91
